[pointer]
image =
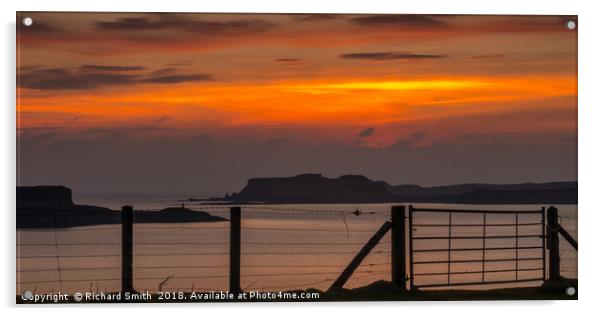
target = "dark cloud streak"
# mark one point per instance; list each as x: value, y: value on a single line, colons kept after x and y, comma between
x: 389, y: 56
x: 366, y: 133
x: 164, y: 71
x: 63, y: 79
x: 287, y: 60
x: 95, y: 76
x: 178, y: 78
x: 315, y: 17
x: 487, y: 56
x: 182, y: 23
x: 406, y: 21
x: 110, y: 68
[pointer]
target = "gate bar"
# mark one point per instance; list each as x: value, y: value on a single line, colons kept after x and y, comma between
x: 484, y: 246
x: 543, y: 242
x: 478, y: 225
x: 479, y: 283
x: 478, y: 271
x: 479, y: 237
x: 477, y: 260
x: 516, y: 244
x: 509, y: 212
x: 476, y: 249
x: 449, y: 243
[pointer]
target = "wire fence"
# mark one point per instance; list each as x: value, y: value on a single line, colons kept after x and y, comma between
x: 568, y: 255
x: 283, y: 248
x: 295, y: 253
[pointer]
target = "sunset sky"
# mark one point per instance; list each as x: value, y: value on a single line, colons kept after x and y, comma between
x: 198, y: 103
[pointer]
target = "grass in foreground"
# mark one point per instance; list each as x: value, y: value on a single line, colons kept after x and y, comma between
x: 387, y: 291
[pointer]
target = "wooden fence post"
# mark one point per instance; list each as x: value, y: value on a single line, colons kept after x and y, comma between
x: 411, y: 245
x: 357, y: 260
x: 398, y: 246
x: 553, y: 244
x: 235, y: 250
x: 127, y: 221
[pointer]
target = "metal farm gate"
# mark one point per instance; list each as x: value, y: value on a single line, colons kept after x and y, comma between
x: 449, y: 247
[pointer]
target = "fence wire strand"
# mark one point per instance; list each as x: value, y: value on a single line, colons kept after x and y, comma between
x: 146, y: 259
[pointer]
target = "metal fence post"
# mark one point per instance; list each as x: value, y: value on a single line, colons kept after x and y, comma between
x: 127, y: 220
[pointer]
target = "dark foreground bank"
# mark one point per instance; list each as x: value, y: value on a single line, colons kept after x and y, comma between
x: 377, y: 291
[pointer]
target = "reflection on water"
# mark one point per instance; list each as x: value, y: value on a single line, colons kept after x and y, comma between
x: 281, y: 250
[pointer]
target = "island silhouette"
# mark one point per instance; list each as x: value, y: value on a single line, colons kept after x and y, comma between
x: 52, y: 206
x: 315, y: 188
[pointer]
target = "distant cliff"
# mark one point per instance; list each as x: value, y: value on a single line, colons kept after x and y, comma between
x: 482, y: 193
x: 314, y: 188
x: 43, y: 196
x: 53, y: 207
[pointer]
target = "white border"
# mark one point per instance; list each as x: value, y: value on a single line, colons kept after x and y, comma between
x: 589, y: 144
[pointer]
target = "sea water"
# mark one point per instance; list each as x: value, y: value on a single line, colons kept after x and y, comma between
x: 283, y: 247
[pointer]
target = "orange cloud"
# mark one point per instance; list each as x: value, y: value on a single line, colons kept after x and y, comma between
x: 319, y: 103
x: 237, y: 74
